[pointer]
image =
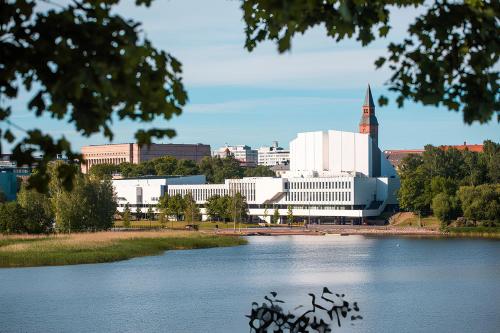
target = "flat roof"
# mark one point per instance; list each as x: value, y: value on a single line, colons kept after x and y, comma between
x: 157, y: 177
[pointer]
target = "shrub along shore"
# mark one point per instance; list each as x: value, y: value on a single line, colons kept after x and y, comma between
x: 100, y: 247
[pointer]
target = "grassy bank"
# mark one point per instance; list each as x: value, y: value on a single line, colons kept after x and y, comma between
x: 86, y: 248
x: 483, y: 232
x: 181, y: 225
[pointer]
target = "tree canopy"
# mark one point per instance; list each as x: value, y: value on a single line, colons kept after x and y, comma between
x: 215, y: 169
x: 82, y: 63
x: 449, y: 57
x: 449, y: 182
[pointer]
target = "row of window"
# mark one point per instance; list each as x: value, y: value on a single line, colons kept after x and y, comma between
x: 105, y: 160
x: 307, y: 207
x: 202, y: 194
x: 270, y: 208
x: 318, y: 185
x: 318, y: 196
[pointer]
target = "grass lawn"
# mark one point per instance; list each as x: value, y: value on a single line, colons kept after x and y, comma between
x: 86, y: 248
x: 181, y: 225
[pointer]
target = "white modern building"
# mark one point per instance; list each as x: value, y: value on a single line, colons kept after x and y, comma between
x: 273, y: 155
x: 247, y: 156
x: 334, y: 176
x: 144, y: 192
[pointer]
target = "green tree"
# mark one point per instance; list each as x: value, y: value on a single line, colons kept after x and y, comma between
x: 415, y: 191
x: 3, y: 197
x: 103, y: 171
x: 259, y: 171
x: 165, y: 165
x: 70, y: 207
x: 161, y: 219
x: 449, y: 56
x: 217, y: 169
x: 126, y: 216
x: 225, y: 208
x: 212, y: 208
x: 475, y: 169
x: 111, y: 71
x: 150, y: 213
x: 444, y: 185
x: 172, y: 205
x: 186, y: 168
x: 127, y: 169
x: 481, y: 203
x: 289, y: 214
x: 89, y: 206
x: 239, y: 207
x: 445, y: 208
x: 491, y: 156
x: 12, y: 218
x: 266, y: 213
x: 138, y: 213
x: 276, y: 216
x: 191, y: 210
x: 39, y: 217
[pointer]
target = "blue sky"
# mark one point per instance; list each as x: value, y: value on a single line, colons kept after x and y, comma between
x: 237, y: 97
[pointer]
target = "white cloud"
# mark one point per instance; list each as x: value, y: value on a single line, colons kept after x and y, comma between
x: 246, y: 105
x: 306, y: 70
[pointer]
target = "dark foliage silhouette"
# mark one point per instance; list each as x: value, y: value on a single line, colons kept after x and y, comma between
x: 324, y: 311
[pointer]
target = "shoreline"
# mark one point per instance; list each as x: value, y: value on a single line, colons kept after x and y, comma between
x: 342, y: 230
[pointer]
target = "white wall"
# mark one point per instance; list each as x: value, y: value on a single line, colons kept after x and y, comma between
x: 309, y: 151
x: 267, y: 187
x: 349, y: 152
x: 152, y: 188
x: 335, y: 152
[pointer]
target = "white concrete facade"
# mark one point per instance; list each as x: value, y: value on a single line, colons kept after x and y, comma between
x: 331, y: 153
x: 145, y: 192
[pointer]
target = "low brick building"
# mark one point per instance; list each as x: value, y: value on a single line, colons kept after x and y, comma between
x: 134, y: 153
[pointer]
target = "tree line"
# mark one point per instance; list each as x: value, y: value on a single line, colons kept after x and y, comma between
x: 89, y: 206
x: 450, y: 183
x: 222, y: 208
x: 219, y: 208
x: 215, y: 169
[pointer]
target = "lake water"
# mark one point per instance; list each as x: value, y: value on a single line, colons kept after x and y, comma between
x: 401, y: 285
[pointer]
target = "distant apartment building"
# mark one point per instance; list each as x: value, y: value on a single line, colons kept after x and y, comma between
x: 134, y: 153
x: 396, y: 156
x: 247, y: 156
x: 273, y: 155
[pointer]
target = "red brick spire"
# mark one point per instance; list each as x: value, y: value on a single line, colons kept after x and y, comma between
x: 369, y: 123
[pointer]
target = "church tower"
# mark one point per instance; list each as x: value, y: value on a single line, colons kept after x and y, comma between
x: 369, y: 123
